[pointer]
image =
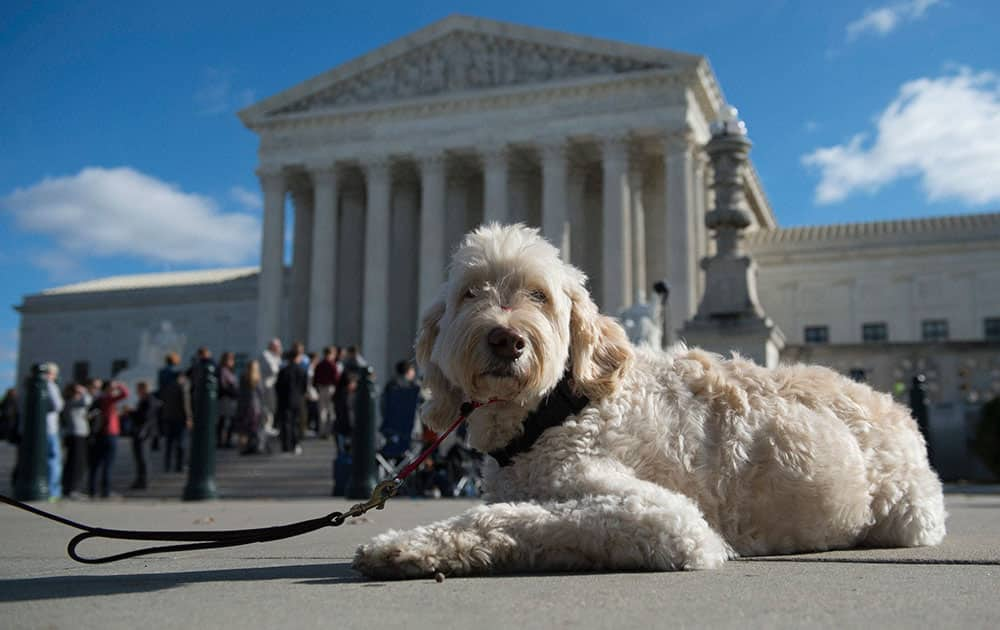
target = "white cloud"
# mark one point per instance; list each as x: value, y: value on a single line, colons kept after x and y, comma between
x: 60, y: 265
x: 944, y: 130
x: 218, y: 95
x: 883, y: 20
x: 120, y: 211
x: 247, y: 198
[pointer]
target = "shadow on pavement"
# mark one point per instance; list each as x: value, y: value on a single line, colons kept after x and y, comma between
x: 900, y: 561
x: 68, y: 586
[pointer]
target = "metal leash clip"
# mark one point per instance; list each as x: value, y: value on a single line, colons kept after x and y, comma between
x: 384, y: 491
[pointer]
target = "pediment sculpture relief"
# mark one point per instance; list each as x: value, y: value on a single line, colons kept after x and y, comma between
x: 465, y: 61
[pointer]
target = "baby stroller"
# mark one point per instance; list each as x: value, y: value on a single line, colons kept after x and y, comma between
x: 399, y: 405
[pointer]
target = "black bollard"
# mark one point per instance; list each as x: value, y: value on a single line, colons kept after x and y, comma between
x: 204, y: 399
x: 363, y: 439
x: 918, y: 406
x: 32, y: 482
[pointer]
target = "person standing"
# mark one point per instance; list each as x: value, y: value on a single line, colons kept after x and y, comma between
x: 270, y: 365
x: 166, y: 376
x: 250, y: 411
x: 144, y: 421
x: 176, y: 417
x: 398, y: 407
x: 107, y: 433
x: 77, y: 429
x: 325, y: 377
x: 229, y: 392
x: 290, y: 389
x: 353, y: 361
x: 51, y: 371
x: 9, y: 416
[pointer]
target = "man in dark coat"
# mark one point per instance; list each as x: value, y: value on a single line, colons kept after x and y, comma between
x: 177, y: 418
x: 145, y: 421
x: 290, y: 390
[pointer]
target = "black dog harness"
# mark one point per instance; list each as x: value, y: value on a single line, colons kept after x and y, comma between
x: 560, y: 404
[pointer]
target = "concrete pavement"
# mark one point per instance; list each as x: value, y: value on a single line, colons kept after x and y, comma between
x: 307, y: 582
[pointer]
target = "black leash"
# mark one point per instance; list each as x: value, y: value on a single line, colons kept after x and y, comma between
x: 384, y: 491
x: 203, y: 540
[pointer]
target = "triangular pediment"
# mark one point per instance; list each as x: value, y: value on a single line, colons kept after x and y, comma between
x: 461, y: 54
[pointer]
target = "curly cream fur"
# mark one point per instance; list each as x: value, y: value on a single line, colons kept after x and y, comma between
x: 682, y: 460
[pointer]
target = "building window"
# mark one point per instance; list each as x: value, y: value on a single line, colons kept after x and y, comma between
x: 991, y: 328
x: 874, y: 332
x: 81, y: 372
x: 817, y: 334
x: 117, y: 366
x: 934, y: 329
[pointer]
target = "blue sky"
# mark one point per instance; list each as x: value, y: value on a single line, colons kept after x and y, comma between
x: 119, y: 141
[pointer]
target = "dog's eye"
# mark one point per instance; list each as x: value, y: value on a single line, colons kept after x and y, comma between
x: 469, y: 294
x: 538, y: 296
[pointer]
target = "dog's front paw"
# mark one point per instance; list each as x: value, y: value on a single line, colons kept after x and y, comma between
x: 396, y: 556
x: 707, y: 550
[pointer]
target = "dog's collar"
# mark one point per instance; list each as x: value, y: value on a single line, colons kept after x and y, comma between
x: 560, y: 404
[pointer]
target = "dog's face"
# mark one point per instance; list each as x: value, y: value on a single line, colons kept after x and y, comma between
x: 511, y: 320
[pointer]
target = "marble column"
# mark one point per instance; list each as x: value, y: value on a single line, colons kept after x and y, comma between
x: 555, y: 216
x: 272, y: 254
x: 615, y: 265
x: 322, y: 284
x: 576, y: 180
x: 681, y: 271
x: 496, y: 172
x: 375, y: 328
x: 700, y: 231
x: 299, y: 290
x: 432, y: 228
x: 404, y: 269
x: 637, y: 216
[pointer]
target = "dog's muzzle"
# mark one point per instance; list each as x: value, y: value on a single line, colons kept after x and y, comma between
x: 505, y: 344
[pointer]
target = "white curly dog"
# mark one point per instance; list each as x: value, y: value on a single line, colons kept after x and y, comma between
x: 677, y: 460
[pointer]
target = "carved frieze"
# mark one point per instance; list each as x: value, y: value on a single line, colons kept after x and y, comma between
x: 465, y: 61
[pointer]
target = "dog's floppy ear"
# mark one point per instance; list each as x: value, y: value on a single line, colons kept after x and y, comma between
x: 442, y: 408
x: 600, y: 351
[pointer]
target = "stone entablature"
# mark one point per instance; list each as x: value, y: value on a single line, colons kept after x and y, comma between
x: 879, y: 238
x: 222, y: 285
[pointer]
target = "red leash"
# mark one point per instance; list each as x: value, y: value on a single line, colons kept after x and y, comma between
x: 231, y: 538
x: 467, y: 409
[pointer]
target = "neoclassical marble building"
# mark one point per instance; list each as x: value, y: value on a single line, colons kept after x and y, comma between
x: 384, y: 162
x: 390, y: 158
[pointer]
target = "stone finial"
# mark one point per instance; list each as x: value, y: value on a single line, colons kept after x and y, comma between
x: 728, y: 151
x: 730, y: 316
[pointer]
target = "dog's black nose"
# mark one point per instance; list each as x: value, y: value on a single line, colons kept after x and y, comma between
x: 505, y: 343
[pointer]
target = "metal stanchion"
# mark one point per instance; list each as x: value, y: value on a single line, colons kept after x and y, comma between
x: 32, y: 483
x: 201, y: 471
x: 363, y: 464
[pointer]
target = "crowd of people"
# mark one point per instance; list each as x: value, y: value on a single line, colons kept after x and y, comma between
x: 82, y: 427
x: 271, y: 403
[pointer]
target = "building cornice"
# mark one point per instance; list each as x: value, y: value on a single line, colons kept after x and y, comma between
x: 472, y: 100
x: 906, y: 237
